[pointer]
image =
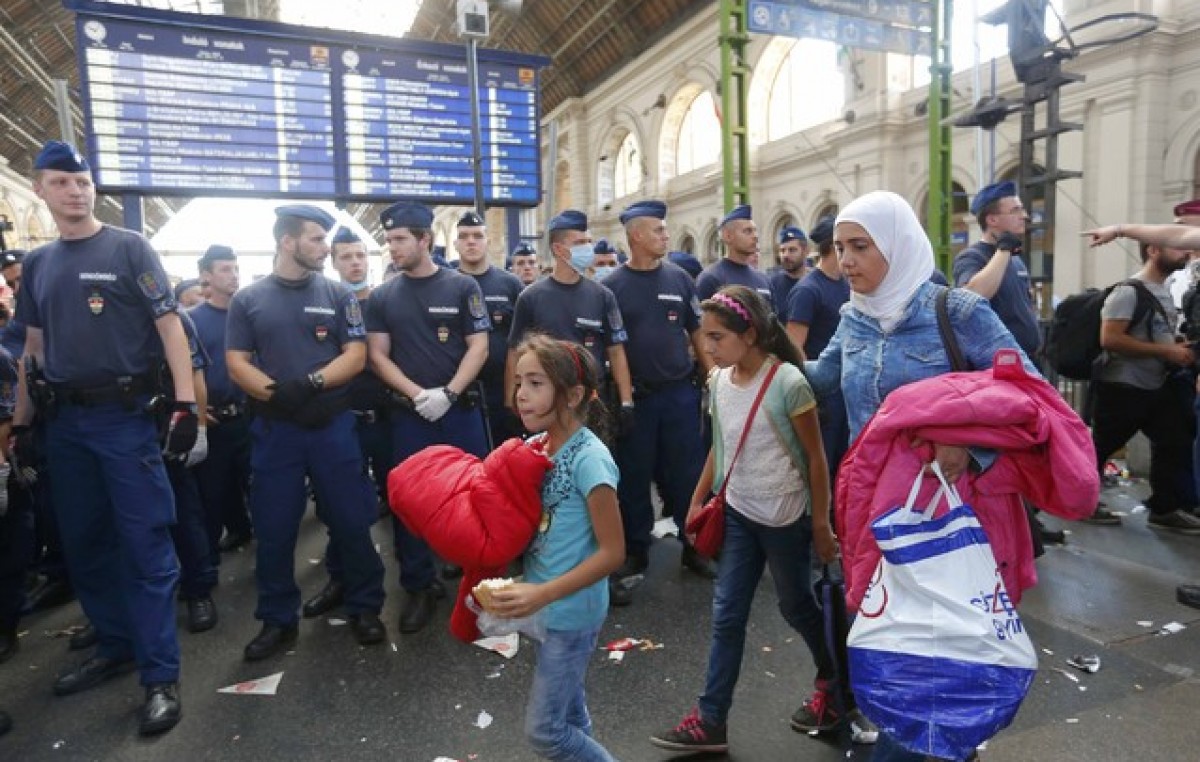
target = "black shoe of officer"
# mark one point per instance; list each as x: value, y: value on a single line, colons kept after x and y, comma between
x: 620, y: 593
x: 634, y: 564
x: 330, y: 597
x: 91, y: 673
x: 202, y: 614
x: 162, y: 709
x: 83, y: 638
x: 9, y: 643
x: 5, y: 723
x: 270, y: 640
x: 1188, y: 595
x: 696, y: 563
x: 419, y: 607
x: 51, y: 593
x: 368, y: 629
x: 231, y: 542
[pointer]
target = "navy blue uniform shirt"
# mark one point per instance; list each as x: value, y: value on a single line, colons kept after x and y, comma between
x: 726, y: 272
x: 660, y: 310
x: 428, y: 321
x: 210, y: 330
x: 585, y: 312
x: 500, y: 291
x: 781, y: 288
x: 367, y: 390
x: 96, y: 300
x: 817, y: 301
x: 1012, y: 302
x: 294, y: 328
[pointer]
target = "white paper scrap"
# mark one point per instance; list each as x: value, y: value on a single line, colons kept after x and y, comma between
x: 505, y: 645
x: 336, y: 621
x: 263, y: 686
x: 483, y: 720
x: 616, y: 656
x: 1170, y: 628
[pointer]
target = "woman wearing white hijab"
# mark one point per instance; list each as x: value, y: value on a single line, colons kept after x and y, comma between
x: 889, y: 336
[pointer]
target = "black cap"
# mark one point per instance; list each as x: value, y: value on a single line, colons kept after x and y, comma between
x: 61, y: 156
x: 307, y: 212
x: 470, y: 220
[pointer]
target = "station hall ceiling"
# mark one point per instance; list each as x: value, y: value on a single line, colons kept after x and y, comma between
x: 586, y: 41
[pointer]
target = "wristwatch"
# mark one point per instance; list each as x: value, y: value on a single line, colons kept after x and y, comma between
x: 450, y: 394
x: 317, y: 380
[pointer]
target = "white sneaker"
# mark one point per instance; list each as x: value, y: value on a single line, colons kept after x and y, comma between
x: 862, y: 730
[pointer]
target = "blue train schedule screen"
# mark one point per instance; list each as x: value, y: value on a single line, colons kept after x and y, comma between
x: 203, y: 105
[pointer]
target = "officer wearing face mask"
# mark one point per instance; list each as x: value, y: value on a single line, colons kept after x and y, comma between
x: 606, y: 259
x: 569, y: 306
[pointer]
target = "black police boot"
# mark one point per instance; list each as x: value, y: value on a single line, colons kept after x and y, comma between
x: 419, y: 607
x: 231, y: 542
x: 162, y: 709
x: 83, y: 638
x: 202, y: 614
x: 271, y: 640
x: 5, y: 723
x: 51, y: 593
x: 696, y: 563
x: 90, y: 674
x: 620, y: 593
x: 330, y: 597
x: 368, y: 629
x: 1188, y: 595
x: 9, y: 643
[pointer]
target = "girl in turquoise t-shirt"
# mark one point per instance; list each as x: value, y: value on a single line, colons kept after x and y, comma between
x: 578, y: 543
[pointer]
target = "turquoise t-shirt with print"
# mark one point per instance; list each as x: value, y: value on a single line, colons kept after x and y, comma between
x: 565, y: 537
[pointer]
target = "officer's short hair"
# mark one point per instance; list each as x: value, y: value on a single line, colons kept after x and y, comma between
x: 286, y: 224
x: 556, y: 236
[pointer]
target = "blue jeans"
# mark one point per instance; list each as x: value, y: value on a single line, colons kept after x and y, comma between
x: 749, y: 547
x: 557, y: 723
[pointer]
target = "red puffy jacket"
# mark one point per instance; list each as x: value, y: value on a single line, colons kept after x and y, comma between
x: 477, y: 514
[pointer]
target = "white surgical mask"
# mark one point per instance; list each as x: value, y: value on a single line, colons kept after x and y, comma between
x: 603, y: 272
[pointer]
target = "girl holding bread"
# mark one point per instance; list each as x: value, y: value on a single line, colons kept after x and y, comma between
x: 578, y: 543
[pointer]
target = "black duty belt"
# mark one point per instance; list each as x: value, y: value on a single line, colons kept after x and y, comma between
x: 229, y: 411
x: 646, y: 388
x: 368, y: 417
x: 123, y: 389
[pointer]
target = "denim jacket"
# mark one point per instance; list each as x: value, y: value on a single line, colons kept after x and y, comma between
x: 870, y: 364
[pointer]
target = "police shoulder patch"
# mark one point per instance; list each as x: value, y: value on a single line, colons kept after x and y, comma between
x: 354, y: 316
x: 150, y: 285
x: 475, y: 305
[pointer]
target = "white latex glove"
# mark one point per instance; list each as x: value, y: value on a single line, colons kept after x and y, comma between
x: 432, y: 404
x: 199, y: 450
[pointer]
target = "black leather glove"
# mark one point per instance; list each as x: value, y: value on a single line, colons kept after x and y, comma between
x: 289, y: 396
x: 625, y: 420
x: 1010, y: 242
x: 317, y: 414
x: 182, y: 428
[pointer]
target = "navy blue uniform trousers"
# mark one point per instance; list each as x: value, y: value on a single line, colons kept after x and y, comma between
x: 115, y: 510
x: 224, y: 478
x: 197, y: 572
x: 17, y: 545
x: 461, y: 427
x: 283, y: 454
x: 666, y: 442
x: 375, y: 444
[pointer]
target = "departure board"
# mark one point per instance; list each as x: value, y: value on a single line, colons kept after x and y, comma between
x: 183, y: 104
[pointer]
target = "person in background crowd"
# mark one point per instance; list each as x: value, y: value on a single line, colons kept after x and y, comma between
x: 295, y: 341
x: 739, y: 265
x: 524, y: 263
x: 224, y: 476
x: 793, y: 257
x: 100, y: 320
x: 605, y: 261
x: 187, y: 293
x: 662, y: 316
x: 427, y: 331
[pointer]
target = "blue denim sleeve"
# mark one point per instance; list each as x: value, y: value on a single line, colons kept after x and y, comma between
x: 824, y: 374
x: 981, y: 335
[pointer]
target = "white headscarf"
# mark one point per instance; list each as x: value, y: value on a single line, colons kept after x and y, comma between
x: 891, y: 223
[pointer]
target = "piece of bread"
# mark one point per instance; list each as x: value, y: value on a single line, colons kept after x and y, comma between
x: 483, y: 591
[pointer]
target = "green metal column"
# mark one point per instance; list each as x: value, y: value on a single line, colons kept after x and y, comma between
x: 735, y: 79
x: 941, y: 188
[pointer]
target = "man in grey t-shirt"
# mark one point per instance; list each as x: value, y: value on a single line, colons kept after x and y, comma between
x: 1134, y: 390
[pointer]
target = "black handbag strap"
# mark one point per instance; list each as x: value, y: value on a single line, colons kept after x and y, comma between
x: 953, y: 351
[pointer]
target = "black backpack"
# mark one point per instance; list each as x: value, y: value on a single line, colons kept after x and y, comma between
x: 1073, y: 344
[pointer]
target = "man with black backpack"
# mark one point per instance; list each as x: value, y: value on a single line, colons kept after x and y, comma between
x: 1132, y: 388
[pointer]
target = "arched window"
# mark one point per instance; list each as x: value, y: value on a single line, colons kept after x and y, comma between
x: 712, y: 248
x: 35, y: 231
x: 960, y: 231
x: 699, y: 141
x: 687, y: 243
x: 808, y: 90
x: 629, y: 170
x: 1196, y: 176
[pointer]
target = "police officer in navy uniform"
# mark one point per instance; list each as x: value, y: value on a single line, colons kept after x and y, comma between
x: 571, y: 307
x: 740, y: 236
x: 427, y: 330
x: 793, y: 255
x: 100, y: 319
x: 500, y: 291
x: 523, y: 263
x: 662, y: 315
x: 16, y: 519
x: 606, y: 259
x: 295, y: 340
x: 372, y: 417
x: 224, y: 476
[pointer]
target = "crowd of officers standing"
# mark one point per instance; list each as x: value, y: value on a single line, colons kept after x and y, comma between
x: 150, y: 436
